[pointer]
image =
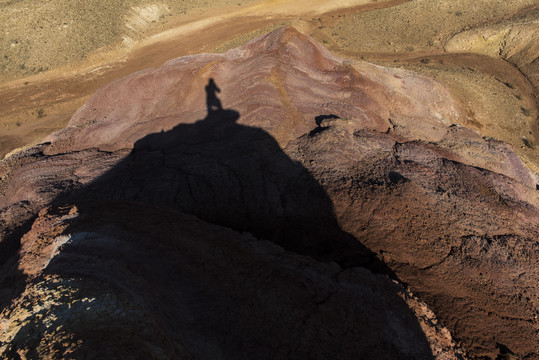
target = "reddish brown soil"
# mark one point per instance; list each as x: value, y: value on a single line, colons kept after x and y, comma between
x: 339, y: 162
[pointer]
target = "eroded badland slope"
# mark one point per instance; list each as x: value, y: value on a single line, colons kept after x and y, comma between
x: 274, y: 200
x: 427, y: 36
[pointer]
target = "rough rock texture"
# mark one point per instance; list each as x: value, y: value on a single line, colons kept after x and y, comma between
x: 335, y: 162
x: 126, y: 280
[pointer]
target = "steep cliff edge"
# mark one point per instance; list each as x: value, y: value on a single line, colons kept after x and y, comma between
x: 335, y: 162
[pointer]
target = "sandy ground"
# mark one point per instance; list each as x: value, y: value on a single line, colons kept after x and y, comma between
x: 68, y: 54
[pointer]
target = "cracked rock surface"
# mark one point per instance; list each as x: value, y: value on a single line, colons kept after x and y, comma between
x: 302, y: 206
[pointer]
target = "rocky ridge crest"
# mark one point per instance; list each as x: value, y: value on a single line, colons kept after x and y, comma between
x: 304, y: 172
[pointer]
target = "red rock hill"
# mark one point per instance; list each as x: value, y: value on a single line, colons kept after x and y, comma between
x: 269, y: 202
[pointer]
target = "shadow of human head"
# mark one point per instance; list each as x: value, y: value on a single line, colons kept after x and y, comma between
x: 212, y: 101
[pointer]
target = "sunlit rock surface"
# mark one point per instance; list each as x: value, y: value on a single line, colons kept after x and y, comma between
x: 314, y: 187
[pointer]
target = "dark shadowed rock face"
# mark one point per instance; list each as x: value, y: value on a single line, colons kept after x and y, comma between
x: 133, y: 281
x: 313, y: 186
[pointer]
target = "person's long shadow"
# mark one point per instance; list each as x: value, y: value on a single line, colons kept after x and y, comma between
x: 235, y: 176
x: 231, y: 175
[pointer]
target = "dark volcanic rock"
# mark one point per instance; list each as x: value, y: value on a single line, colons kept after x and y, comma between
x: 336, y: 163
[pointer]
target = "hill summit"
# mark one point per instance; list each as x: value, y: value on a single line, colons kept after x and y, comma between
x: 273, y: 201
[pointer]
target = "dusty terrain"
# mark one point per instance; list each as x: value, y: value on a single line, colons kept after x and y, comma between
x: 421, y: 165
x: 349, y: 164
x: 426, y: 36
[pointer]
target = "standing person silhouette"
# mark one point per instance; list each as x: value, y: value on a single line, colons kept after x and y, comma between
x: 212, y: 101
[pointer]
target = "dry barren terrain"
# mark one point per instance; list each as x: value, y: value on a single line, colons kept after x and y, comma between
x: 55, y: 54
x: 404, y: 137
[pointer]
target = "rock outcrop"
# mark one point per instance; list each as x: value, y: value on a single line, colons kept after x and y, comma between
x: 127, y: 280
x: 269, y: 202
